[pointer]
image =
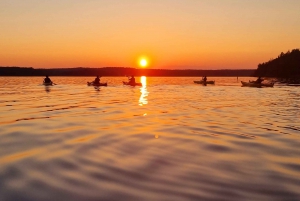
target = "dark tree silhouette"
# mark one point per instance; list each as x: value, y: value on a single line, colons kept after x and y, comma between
x: 286, y: 67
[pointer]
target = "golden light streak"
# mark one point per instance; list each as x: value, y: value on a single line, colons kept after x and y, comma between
x: 144, y: 93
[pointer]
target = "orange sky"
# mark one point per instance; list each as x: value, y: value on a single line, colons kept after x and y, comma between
x: 200, y: 34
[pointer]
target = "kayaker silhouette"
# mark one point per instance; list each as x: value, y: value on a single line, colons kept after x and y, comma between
x: 131, y: 80
x: 259, y: 80
x: 204, y: 78
x: 47, y: 80
x: 97, y: 80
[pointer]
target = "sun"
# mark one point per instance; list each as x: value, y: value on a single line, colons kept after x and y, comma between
x: 143, y: 63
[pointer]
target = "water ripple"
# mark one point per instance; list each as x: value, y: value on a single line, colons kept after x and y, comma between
x: 170, y: 140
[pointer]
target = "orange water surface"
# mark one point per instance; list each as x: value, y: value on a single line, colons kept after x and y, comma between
x: 169, y: 139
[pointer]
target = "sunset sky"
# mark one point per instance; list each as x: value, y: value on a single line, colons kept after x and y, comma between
x: 173, y: 34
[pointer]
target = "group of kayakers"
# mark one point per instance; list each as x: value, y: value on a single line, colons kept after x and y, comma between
x: 258, y: 81
x: 131, y: 79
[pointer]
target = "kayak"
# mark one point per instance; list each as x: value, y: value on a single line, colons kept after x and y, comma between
x: 96, y: 85
x: 258, y: 85
x: 48, y: 84
x: 202, y: 82
x: 131, y: 84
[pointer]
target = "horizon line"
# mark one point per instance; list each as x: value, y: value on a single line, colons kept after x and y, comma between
x: 125, y: 67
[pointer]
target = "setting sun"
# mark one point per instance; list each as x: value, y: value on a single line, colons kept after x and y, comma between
x: 143, y: 63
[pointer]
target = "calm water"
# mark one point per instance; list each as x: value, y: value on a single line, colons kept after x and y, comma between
x: 168, y: 140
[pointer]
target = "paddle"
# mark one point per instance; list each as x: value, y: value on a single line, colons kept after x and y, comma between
x: 127, y: 78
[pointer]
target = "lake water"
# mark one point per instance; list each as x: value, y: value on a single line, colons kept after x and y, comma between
x: 168, y: 140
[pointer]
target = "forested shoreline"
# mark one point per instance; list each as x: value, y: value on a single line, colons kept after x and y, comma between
x: 121, y: 71
x: 286, y: 67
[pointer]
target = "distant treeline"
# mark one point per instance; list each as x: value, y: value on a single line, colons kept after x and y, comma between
x: 286, y: 65
x: 120, y: 71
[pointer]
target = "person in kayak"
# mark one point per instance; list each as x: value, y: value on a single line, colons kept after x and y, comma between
x: 131, y: 80
x: 259, y: 80
x: 97, y: 80
x: 204, y: 78
x: 47, y: 80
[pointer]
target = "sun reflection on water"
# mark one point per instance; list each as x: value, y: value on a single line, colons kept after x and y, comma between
x: 144, y: 93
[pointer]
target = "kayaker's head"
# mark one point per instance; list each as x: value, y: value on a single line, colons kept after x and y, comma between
x: 97, y: 76
x: 46, y: 76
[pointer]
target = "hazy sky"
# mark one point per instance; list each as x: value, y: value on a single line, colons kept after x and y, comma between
x: 202, y: 34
